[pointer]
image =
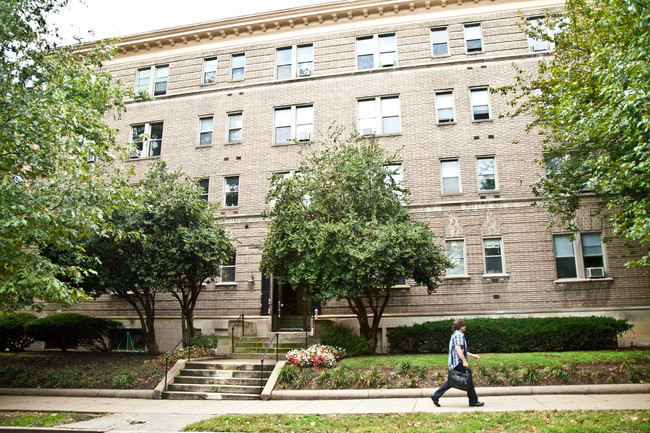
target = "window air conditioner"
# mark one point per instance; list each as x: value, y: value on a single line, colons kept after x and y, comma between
x: 540, y: 45
x: 595, y: 272
x: 367, y: 131
x: 386, y: 63
x: 90, y: 158
x: 135, y: 153
x: 304, y: 72
x: 304, y: 136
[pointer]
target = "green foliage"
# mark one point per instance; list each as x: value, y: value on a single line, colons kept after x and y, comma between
x: 125, y: 381
x: 52, y: 122
x: 506, y: 335
x: 205, y: 341
x: 341, y: 336
x: 288, y: 374
x: 340, y: 230
x: 66, y: 330
x: 590, y: 101
x: 12, y: 331
x: 36, y: 419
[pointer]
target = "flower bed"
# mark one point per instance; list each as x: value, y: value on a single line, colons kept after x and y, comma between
x: 317, y: 356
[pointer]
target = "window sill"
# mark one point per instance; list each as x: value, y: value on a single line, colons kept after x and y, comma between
x: 447, y: 123
x: 226, y: 284
x: 201, y: 146
x: 208, y: 84
x: 489, y: 192
x: 456, y: 277
x: 236, y: 80
x: 401, y: 287
x: 143, y: 158
x: 495, y: 277
x: 394, y: 134
x: 482, y: 120
x: 231, y: 143
x: 452, y: 194
x: 582, y: 280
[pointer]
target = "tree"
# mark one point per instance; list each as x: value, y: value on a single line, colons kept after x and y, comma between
x: 169, y: 241
x: 52, y: 110
x: 339, y: 230
x: 590, y: 102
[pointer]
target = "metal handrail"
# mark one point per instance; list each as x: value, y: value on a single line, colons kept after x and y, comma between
x: 169, y: 354
x: 276, y: 337
x: 241, y: 317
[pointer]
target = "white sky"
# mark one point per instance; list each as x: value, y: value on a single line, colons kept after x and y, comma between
x: 98, y: 19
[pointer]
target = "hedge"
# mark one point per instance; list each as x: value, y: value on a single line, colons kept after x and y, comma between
x: 511, y: 335
x: 342, y: 337
x: 67, y: 330
x: 12, y: 331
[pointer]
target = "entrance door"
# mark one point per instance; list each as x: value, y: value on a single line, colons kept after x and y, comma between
x: 289, y: 308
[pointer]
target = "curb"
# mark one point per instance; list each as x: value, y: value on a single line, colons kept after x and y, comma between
x: 107, y: 393
x: 330, y: 394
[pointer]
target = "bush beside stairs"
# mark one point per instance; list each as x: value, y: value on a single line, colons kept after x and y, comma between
x: 237, y: 378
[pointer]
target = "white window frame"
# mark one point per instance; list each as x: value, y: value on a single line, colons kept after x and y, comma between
x: 439, y: 41
x: 380, y: 115
x: 501, y: 255
x: 477, y: 99
x: 203, y: 130
x: 204, y: 183
x: 209, y: 61
x: 443, y: 177
x: 479, y: 175
x: 231, y: 269
x: 231, y: 128
x: 443, y: 104
x: 299, y: 67
x: 467, y: 35
x: 233, y: 67
x: 579, y: 254
x: 380, y: 59
x: 148, y: 148
x: 300, y: 129
x: 455, y: 272
x: 226, y: 191
x: 153, y: 79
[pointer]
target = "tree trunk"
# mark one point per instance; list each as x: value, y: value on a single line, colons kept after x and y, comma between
x: 145, y: 308
x: 377, y: 304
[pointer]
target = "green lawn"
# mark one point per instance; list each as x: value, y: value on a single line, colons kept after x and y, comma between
x: 42, y: 419
x: 629, y: 421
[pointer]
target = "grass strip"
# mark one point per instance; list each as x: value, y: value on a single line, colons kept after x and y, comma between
x: 628, y: 421
x: 42, y: 419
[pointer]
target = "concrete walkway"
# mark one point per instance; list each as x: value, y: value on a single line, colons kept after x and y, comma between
x: 148, y: 415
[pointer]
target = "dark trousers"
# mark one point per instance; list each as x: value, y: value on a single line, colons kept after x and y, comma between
x: 471, y: 393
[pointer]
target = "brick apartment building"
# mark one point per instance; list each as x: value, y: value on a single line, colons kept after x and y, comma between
x: 229, y: 98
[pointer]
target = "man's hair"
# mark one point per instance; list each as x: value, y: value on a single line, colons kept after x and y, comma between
x: 458, y: 323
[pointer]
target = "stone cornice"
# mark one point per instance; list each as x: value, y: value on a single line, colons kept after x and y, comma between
x: 287, y: 19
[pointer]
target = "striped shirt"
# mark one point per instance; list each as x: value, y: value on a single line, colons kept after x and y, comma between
x: 457, y: 339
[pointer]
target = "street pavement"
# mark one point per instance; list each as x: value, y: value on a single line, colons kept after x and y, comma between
x: 150, y: 415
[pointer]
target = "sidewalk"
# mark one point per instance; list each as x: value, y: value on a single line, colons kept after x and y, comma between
x: 148, y: 415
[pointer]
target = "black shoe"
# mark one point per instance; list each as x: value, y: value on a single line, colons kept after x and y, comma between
x: 435, y: 401
x: 476, y: 404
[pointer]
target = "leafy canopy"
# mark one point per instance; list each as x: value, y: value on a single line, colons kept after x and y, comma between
x: 338, y: 228
x: 52, y: 110
x: 591, y: 101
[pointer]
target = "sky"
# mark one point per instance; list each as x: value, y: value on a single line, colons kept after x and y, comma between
x: 98, y: 19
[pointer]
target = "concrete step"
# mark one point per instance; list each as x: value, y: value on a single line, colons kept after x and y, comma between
x: 268, y: 359
x: 229, y: 389
x: 196, y: 380
x: 244, y: 366
x: 244, y: 374
x: 183, y: 395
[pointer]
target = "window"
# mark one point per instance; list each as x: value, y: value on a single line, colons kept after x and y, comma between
x: 440, y: 42
x: 231, y: 191
x: 293, y: 123
x: 294, y: 61
x: 445, y: 106
x: 156, y: 86
x: 456, y: 253
x: 473, y: 38
x: 487, y: 179
x: 210, y: 70
x: 379, y: 115
x: 228, y: 269
x: 396, y: 177
x: 538, y: 44
x: 378, y: 51
x: 205, y: 130
x: 237, y: 62
x: 146, y: 140
x: 450, y: 176
x: 234, y: 127
x: 493, y: 254
x: 204, y: 184
x: 589, y: 253
x: 479, y: 98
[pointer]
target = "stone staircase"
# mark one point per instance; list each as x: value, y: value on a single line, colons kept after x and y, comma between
x: 229, y: 379
x: 254, y: 347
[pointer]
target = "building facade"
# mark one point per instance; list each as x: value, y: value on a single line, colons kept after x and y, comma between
x: 233, y: 101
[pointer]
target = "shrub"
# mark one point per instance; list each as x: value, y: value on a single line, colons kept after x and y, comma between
x: 342, y: 336
x: 315, y: 356
x: 511, y: 335
x: 66, y: 330
x: 183, y: 353
x: 207, y: 341
x: 12, y: 331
